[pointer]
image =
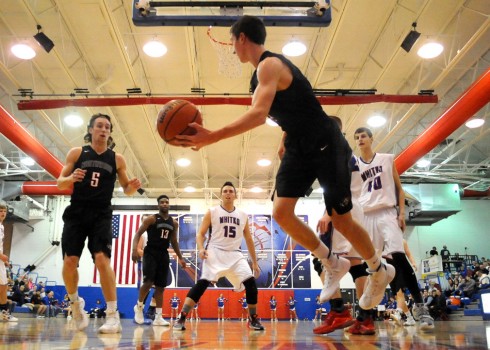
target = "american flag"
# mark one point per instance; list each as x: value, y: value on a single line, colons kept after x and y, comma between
x: 124, y: 227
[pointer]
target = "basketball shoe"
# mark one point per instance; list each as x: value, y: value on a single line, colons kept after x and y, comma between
x: 376, y: 286
x: 333, y: 274
x: 139, y: 318
x: 179, y: 325
x: 334, y: 320
x: 397, y: 317
x: 365, y: 327
x: 5, y: 316
x: 254, y: 323
x: 160, y: 321
x: 421, y: 314
x: 112, y: 323
x: 410, y: 321
x: 79, y: 315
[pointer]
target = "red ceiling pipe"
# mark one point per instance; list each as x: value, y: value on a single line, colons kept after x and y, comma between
x: 43, y: 188
x: 465, y: 106
x: 206, y: 101
x: 21, y: 137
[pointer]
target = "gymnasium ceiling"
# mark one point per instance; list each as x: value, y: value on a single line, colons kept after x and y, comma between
x: 98, y: 48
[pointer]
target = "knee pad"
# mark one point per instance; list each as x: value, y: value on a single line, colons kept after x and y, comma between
x: 251, y: 291
x: 317, y: 265
x: 198, y: 290
x: 357, y: 271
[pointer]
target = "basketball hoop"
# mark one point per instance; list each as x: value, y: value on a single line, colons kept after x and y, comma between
x: 228, y: 63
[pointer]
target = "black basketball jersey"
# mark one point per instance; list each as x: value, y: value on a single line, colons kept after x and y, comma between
x: 159, y: 233
x: 297, y: 110
x: 98, y: 184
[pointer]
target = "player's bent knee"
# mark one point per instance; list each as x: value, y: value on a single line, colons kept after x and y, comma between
x: 358, y: 271
x: 251, y: 291
x: 198, y: 290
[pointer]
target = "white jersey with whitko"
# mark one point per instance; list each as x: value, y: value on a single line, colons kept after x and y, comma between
x: 225, y: 258
x: 378, y: 200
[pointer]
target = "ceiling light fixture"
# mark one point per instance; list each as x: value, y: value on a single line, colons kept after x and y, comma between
x: 376, y: 121
x: 410, y: 39
x: 43, y: 40
x: 474, y: 123
x: 183, y: 162
x: 430, y: 50
x: 190, y: 189
x: 423, y: 163
x: 155, y: 48
x: 73, y: 120
x: 23, y: 51
x: 264, y: 162
x: 28, y: 161
x: 294, y: 48
x: 256, y: 189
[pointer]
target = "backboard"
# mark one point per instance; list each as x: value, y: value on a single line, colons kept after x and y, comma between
x: 225, y: 13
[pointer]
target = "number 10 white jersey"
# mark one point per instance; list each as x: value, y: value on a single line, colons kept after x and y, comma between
x: 227, y: 228
x: 378, y: 187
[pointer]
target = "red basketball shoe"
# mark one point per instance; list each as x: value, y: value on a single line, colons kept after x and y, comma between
x: 365, y: 327
x: 335, y: 320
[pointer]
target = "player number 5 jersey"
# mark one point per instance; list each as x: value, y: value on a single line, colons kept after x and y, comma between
x: 227, y: 228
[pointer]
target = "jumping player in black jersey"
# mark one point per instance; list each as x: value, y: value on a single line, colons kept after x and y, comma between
x: 162, y: 230
x: 91, y: 170
x: 314, y: 149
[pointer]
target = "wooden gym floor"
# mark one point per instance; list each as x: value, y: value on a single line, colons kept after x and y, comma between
x: 58, y: 333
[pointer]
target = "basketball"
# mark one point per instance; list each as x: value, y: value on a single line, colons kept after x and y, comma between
x: 174, y: 119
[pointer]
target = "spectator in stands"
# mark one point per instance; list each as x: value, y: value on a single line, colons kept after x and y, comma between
x: 450, y: 289
x: 18, y: 295
x: 433, y: 251
x: 427, y: 298
x: 445, y: 254
x: 54, y: 308
x: 38, y: 306
x: 483, y: 279
x: 437, y: 307
x: 467, y: 288
x: 459, y: 262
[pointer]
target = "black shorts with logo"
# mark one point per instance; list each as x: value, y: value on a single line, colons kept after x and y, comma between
x: 329, y: 164
x: 155, y: 266
x: 82, y: 222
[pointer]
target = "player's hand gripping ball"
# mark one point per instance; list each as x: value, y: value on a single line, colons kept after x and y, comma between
x: 174, y: 119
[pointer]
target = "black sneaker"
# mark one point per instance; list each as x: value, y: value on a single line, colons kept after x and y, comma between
x: 179, y: 324
x: 254, y: 323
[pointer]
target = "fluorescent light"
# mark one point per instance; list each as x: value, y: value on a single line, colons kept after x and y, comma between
x: 155, y: 49
x: 376, y: 121
x: 270, y: 122
x: 423, y: 163
x: 256, y: 189
x: 23, y: 51
x: 430, y: 50
x: 294, y: 48
x: 28, y: 161
x: 73, y: 120
x: 189, y: 189
x: 475, y: 123
x: 264, y: 162
x: 183, y: 162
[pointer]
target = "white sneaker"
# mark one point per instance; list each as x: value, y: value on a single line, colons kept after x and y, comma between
x: 139, y: 318
x: 112, y: 323
x: 79, y: 315
x: 333, y: 275
x: 68, y: 317
x: 410, y: 321
x: 160, y: 321
x: 421, y: 313
x: 376, y: 286
x: 7, y: 317
x: 397, y: 317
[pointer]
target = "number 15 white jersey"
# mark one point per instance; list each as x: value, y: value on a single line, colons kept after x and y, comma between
x: 227, y: 228
x: 378, y: 187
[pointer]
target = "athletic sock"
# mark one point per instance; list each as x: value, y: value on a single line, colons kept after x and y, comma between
x: 321, y: 252
x: 373, y: 262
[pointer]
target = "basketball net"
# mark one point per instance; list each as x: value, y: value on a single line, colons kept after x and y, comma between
x: 228, y: 63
